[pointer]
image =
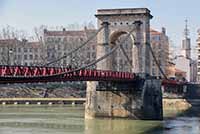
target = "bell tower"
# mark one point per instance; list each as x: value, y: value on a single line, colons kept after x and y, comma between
x: 186, y: 42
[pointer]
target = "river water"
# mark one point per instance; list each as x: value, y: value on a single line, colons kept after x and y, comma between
x: 70, y: 120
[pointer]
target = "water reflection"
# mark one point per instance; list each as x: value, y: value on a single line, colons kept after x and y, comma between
x: 120, y: 126
x: 70, y: 120
x: 41, y: 120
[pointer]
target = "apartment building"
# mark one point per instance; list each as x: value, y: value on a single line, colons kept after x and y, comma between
x: 198, y: 58
x: 59, y: 43
x: 16, y: 52
x: 160, y: 47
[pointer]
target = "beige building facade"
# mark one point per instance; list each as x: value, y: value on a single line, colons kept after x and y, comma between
x: 198, y: 57
x: 17, y: 52
x: 160, y: 47
x: 59, y: 43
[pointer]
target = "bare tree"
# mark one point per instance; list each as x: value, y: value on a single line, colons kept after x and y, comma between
x: 9, y: 36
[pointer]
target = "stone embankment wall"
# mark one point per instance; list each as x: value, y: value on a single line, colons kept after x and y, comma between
x: 43, y: 90
x: 175, y: 104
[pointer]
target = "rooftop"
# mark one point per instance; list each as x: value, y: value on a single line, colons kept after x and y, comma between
x: 154, y: 32
x: 67, y: 32
x: 9, y: 42
x: 123, y: 11
x: 179, y: 70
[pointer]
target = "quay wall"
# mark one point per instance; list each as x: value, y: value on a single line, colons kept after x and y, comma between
x: 41, y: 101
x: 176, y: 104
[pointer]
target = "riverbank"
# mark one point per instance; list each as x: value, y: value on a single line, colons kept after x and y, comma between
x: 41, y: 101
x: 44, y: 90
x: 176, y: 104
x: 168, y: 104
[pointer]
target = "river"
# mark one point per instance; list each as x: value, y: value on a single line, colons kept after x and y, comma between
x: 35, y: 119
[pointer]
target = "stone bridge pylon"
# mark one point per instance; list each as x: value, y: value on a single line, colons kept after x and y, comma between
x: 141, y: 102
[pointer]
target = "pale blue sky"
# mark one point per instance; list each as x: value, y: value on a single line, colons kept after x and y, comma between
x: 26, y: 14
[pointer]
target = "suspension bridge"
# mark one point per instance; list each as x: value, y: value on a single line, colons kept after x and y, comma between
x: 142, y: 96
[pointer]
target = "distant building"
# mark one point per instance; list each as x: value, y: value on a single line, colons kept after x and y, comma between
x: 198, y: 58
x: 16, y: 52
x: 175, y: 73
x: 180, y: 74
x: 59, y: 43
x: 160, y: 46
x: 6, y: 50
x: 171, y: 70
x: 186, y: 43
x: 184, y: 61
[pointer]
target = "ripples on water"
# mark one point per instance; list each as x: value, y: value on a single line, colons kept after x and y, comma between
x: 70, y: 120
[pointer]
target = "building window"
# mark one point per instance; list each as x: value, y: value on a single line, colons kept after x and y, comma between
x: 36, y: 50
x: 59, y: 54
x: 49, y: 39
x: 153, y: 71
x: 36, y: 56
x: 19, y: 57
x: 120, y: 61
x: 19, y: 49
x: 64, y: 62
x: 88, y: 55
x: 31, y: 57
x: 25, y: 57
x: 125, y: 62
x: 30, y: 49
x: 25, y: 50
x: 58, y: 47
x: 93, y: 55
x: 14, y: 49
x: 93, y: 47
x: 52, y: 56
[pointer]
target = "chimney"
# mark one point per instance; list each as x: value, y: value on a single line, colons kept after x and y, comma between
x: 64, y: 29
x: 163, y: 30
x: 24, y: 41
x: 85, y: 28
x: 45, y: 30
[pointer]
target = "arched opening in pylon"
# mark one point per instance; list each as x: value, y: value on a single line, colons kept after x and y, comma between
x: 118, y: 59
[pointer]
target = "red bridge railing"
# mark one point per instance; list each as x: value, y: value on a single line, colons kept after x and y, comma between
x: 31, y: 74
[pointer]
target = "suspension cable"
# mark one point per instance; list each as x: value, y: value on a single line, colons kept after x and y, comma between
x: 126, y: 56
x: 88, y: 65
x: 76, y: 49
x: 156, y: 61
x: 100, y: 59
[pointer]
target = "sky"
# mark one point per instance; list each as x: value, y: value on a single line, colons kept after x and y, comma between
x: 171, y: 14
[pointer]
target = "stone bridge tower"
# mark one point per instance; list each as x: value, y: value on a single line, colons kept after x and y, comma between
x: 117, y: 22
x: 146, y: 100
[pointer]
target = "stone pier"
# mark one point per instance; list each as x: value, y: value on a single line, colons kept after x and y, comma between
x: 142, y: 102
